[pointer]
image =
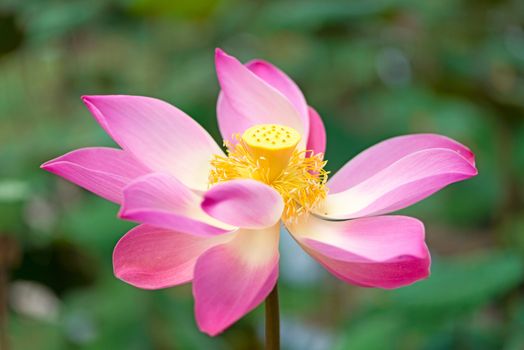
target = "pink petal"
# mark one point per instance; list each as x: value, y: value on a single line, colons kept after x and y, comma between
x: 385, y: 153
x: 407, y: 181
x: 383, y: 251
x: 250, y: 100
x: 231, y: 122
x: 158, y: 134
x: 163, y: 201
x: 317, y: 133
x: 233, y: 278
x: 284, y: 84
x: 103, y: 171
x: 152, y: 258
x: 244, y: 203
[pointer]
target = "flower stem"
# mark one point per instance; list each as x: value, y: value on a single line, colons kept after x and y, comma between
x: 272, y: 320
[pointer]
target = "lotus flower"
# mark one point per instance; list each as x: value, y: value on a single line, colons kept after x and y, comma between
x: 214, y: 218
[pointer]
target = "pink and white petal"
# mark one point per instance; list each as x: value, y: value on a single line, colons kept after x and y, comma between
x: 285, y: 85
x: 101, y: 170
x: 152, y: 258
x: 254, y: 100
x: 244, y: 203
x: 385, y: 153
x: 317, y: 133
x: 383, y: 251
x: 278, y: 80
x: 158, y: 134
x: 230, y: 122
x: 231, y: 279
x: 405, y: 182
x: 161, y: 200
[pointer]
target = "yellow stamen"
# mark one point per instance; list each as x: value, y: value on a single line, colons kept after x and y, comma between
x: 299, y: 176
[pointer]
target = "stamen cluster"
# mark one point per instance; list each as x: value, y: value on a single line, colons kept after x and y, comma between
x: 302, y: 182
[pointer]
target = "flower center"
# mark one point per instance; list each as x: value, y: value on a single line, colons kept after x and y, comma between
x: 268, y: 153
x: 272, y: 145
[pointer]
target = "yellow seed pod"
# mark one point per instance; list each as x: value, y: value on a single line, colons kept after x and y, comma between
x: 271, y: 144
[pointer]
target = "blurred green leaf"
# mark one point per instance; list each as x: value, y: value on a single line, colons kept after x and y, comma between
x: 311, y: 14
x: 182, y: 9
x: 460, y: 284
x: 372, y: 333
x: 93, y: 224
x: 25, y: 333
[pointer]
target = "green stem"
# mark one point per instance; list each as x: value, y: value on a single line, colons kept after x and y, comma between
x: 272, y: 320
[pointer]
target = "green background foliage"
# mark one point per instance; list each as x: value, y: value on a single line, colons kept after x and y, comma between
x: 372, y: 69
